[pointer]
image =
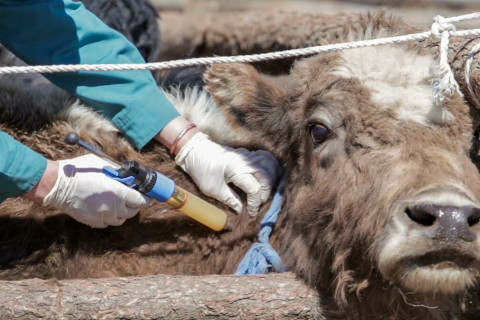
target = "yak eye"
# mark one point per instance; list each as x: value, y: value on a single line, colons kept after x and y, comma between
x: 319, y: 133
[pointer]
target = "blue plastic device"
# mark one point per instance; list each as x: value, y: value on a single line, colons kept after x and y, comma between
x: 150, y: 182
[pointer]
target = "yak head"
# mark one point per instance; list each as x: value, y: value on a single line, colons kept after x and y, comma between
x: 381, y: 190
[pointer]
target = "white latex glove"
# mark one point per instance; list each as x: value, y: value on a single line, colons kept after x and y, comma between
x: 85, y: 193
x: 213, y: 167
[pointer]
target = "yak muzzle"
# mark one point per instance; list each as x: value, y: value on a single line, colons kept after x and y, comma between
x: 431, y: 242
x: 445, y: 222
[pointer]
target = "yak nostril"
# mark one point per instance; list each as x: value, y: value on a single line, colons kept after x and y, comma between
x: 420, y: 215
x: 474, y: 218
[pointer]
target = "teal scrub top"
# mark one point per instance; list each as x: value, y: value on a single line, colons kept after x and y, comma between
x: 45, y: 32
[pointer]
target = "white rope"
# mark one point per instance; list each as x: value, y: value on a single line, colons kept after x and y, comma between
x: 213, y: 60
x: 444, y: 83
x: 441, y: 26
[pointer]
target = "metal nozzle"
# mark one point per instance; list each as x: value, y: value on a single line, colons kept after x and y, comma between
x: 72, y: 138
x: 178, y: 198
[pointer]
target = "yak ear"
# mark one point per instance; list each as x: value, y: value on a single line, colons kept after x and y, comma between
x: 255, y: 106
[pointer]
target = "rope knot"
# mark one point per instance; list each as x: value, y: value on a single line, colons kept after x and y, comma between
x: 440, y: 25
x: 444, y: 83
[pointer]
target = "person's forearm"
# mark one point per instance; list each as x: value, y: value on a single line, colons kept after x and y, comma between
x: 170, y: 134
x: 45, y: 184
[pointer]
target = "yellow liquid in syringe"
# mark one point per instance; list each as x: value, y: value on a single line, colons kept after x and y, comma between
x: 198, y: 209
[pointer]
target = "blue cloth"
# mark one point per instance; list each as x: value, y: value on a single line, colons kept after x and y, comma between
x: 44, y: 32
x: 261, y: 257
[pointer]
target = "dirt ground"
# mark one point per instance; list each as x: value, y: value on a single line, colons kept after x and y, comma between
x: 419, y: 12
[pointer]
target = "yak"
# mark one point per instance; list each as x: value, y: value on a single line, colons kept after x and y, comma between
x: 381, y: 203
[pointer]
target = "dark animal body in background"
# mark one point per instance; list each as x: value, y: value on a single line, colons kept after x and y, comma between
x: 135, y: 19
x: 367, y: 169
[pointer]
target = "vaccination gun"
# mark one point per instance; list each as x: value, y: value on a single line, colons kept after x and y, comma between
x: 157, y: 186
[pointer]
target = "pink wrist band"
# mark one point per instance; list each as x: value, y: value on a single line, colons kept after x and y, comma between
x: 180, y: 136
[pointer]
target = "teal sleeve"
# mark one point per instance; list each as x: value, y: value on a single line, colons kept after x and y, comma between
x: 20, y: 167
x: 44, y: 32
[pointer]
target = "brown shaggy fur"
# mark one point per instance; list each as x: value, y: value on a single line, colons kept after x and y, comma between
x: 334, y: 219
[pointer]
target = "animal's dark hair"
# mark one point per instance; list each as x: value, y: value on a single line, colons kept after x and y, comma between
x: 135, y: 19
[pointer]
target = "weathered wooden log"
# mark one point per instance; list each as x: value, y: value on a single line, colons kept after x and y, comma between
x: 272, y: 296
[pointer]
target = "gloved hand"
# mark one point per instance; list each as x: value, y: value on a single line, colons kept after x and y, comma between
x: 85, y: 193
x: 213, y: 166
